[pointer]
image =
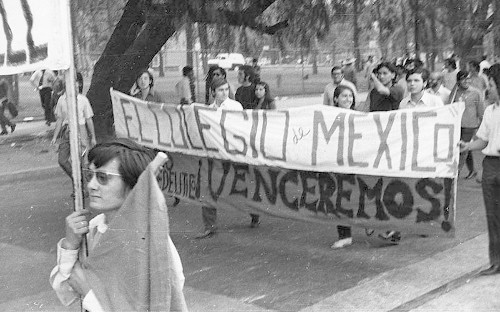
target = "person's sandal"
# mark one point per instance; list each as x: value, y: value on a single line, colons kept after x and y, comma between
x: 206, y: 234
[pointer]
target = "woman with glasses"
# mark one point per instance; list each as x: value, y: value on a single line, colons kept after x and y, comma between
x: 215, y: 72
x: 122, y: 228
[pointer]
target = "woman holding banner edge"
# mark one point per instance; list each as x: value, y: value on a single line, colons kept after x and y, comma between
x: 343, y: 97
x: 488, y: 140
x: 131, y: 217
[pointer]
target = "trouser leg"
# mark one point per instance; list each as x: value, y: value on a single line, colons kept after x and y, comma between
x: 65, y: 153
x: 4, y: 121
x: 491, y: 195
x: 344, y: 231
x: 209, y: 215
x: 45, y: 95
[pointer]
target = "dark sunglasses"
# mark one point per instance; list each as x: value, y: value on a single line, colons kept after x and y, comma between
x: 102, y: 177
x: 217, y: 74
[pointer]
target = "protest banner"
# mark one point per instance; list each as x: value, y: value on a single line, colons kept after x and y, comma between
x: 320, y: 163
x: 35, y: 36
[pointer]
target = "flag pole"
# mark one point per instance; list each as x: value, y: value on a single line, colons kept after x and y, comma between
x: 74, y: 135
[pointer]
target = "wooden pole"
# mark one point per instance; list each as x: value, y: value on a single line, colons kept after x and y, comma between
x: 74, y: 135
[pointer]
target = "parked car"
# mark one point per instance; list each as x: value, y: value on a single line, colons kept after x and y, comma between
x: 228, y: 60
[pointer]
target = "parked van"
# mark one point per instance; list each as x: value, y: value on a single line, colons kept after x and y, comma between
x: 228, y: 60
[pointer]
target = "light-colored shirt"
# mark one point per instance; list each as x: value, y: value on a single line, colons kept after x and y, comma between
x: 83, y: 107
x: 330, y: 88
x: 47, y: 78
x: 450, y: 78
x: 474, y: 105
x: 489, y: 130
x: 427, y: 100
x: 228, y: 104
x: 66, y: 260
x: 442, y: 92
x: 183, y: 89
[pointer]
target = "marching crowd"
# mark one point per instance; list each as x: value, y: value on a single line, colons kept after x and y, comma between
x: 114, y: 167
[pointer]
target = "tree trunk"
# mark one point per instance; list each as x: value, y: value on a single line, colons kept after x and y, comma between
x: 405, y: 28
x: 357, y: 53
x: 161, y: 70
x: 417, y: 30
x: 119, y: 63
x: 189, y: 43
x: 203, y: 35
x: 435, y: 41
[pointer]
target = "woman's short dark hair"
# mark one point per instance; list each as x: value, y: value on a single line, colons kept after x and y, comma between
x: 133, y: 158
x: 151, y: 80
x: 391, y: 67
x: 340, y: 88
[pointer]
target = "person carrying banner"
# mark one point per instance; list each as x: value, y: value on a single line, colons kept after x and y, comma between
x: 245, y: 94
x: 343, y: 97
x: 488, y: 140
x: 416, y: 80
x: 263, y: 96
x: 42, y: 80
x: 215, y: 72
x: 385, y: 95
x: 220, y: 89
x: 133, y: 264
x: 143, y: 87
x: 85, y: 126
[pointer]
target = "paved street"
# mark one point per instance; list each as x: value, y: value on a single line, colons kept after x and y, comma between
x: 284, y: 265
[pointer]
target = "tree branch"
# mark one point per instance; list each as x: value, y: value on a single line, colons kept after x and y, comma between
x: 211, y: 14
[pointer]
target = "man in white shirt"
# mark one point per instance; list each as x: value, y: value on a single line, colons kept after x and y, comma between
x: 338, y: 79
x: 416, y: 80
x: 220, y: 89
x: 436, y: 87
x: 42, y: 80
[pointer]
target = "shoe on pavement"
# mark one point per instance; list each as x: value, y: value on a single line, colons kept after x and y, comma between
x: 12, y: 128
x: 471, y: 175
x: 494, y: 269
x: 206, y: 234
x: 341, y: 243
x: 4, y: 132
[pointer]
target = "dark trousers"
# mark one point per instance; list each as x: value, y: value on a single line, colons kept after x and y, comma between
x: 64, y: 152
x: 4, y: 121
x: 344, y: 231
x: 209, y: 216
x: 45, y: 96
x: 491, y: 195
x: 466, y: 135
